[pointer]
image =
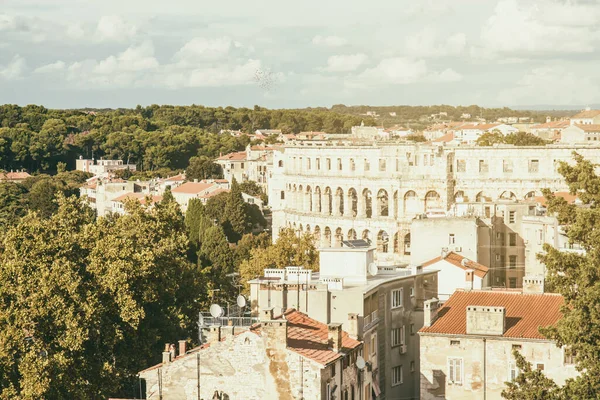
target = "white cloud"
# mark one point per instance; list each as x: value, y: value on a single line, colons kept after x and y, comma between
x: 200, y: 50
x: 329, y: 41
x: 76, y: 31
x: 14, y: 69
x: 7, y: 23
x: 543, y: 27
x: 554, y: 85
x: 392, y: 71
x: 345, y: 63
x: 427, y: 44
x: 50, y: 68
x: 447, y: 75
x: 135, y: 58
x: 114, y: 28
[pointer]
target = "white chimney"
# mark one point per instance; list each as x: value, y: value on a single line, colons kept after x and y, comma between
x: 533, y: 284
x: 469, y: 276
x: 430, y: 308
x: 334, y: 336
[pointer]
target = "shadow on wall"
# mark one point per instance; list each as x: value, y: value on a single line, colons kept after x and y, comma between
x: 437, y: 388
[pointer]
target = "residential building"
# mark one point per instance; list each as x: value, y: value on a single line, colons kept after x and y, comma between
x: 467, y: 345
x: 172, y: 182
x: 268, y: 132
x: 581, y: 133
x: 469, y: 133
x: 586, y: 117
x: 101, y: 167
x: 287, y: 356
x: 551, y: 130
x: 14, y: 176
x: 253, y: 164
x: 118, y: 204
x: 101, y: 191
x: 381, y: 305
x: 456, y: 272
x: 202, y: 190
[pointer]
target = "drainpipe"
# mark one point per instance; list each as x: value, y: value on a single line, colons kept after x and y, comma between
x: 484, y: 369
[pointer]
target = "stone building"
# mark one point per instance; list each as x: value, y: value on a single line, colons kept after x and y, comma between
x: 352, y: 188
x: 252, y: 164
x: 466, y: 353
x: 382, y: 306
x: 202, y: 190
x: 102, y: 167
x: 287, y: 356
x: 100, y: 192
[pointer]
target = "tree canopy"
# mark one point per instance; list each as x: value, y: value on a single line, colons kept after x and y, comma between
x: 517, y: 139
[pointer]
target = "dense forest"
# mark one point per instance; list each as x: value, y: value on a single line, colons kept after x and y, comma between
x: 37, y: 139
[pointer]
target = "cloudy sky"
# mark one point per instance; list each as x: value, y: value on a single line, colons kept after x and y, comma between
x: 120, y: 53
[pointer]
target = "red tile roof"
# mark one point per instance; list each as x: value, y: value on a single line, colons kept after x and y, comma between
x: 14, y: 176
x: 239, y: 156
x: 141, y: 197
x: 308, y: 337
x: 587, y: 114
x: 192, y: 187
x: 570, y: 198
x: 525, y: 313
x: 589, y: 127
x: 553, y: 125
x: 213, y: 193
x: 176, y: 178
x: 446, y: 138
x: 455, y: 259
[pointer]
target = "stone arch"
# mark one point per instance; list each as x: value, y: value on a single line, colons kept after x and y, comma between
x: 367, y: 203
x: 507, y: 195
x: 481, y: 197
x: 317, y: 235
x: 308, y: 229
x: 397, y: 243
x: 328, y: 201
x: 366, y: 235
x: 339, y: 197
x: 353, y: 201
x: 309, y: 199
x: 383, y: 240
x: 339, y: 237
x: 433, y: 201
x: 280, y: 163
x: 459, y: 197
x: 327, y: 237
x: 530, y: 195
x: 411, y: 203
x: 317, y: 200
x: 383, y: 206
x: 406, y: 246
x: 351, y: 234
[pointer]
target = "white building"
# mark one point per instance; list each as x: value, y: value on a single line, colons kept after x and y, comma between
x: 469, y: 133
x: 253, y: 164
x: 101, y: 167
x: 586, y: 117
x: 581, y: 133
x: 100, y: 192
x: 202, y: 190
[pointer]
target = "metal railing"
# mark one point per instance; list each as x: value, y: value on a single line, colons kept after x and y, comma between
x: 208, y: 321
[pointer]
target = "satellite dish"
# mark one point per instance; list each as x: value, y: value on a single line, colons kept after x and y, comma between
x: 373, y: 270
x: 216, y: 311
x: 241, y: 301
x: 360, y: 363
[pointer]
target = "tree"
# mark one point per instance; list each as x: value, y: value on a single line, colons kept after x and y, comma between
x: 490, y: 139
x: 216, y: 258
x: 203, y: 168
x: 13, y: 204
x: 249, y: 242
x: 530, y: 384
x: 236, y: 223
x: 253, y: 189
x: 288, y: 250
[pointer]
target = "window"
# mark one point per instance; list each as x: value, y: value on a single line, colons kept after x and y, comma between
x: 397, y: 377
x: 512, y: 239
x: 517, y: 347
x: 282, y: 195
x: 373, y: 345
x: 511, y: 217
x: 461, y: 166
x: 539, y: 366
x: 412, y: 329
x: 280, y: 164
x: 397, y: 337
x: 333, y: 369
x: 507, y: 166
x: 318, y: 163
x: 451, y: 239
x: 500, y: 238
x: 412, y: 366
x: 242, y: 165
x: 483, y: 166
x: 339, y: 164
x: 569, y: 356
x: 534, y: 166
x: 352, y: 165
x: 412, y: 292
x: 397, y: 298
x: 455, y: 367
x: 512, y: 262
x: 431, y: 161
x: 455, y: 343
x: 512, y: 283
x: 513, y: 371
x: 329, y: 164
x: 382, y: 164
x: 367, y: 165
x: 425, y: 159
x: 397, y: 165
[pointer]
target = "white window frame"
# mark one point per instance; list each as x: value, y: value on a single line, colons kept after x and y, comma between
x: 512, y: 367
x: 395, y: 337
x: 452, y: 362
x: 397, y: 380
x: 397, y: 298
x: 403, y: 335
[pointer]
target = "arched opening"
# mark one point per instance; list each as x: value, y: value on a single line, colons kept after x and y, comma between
x: 366, y: 235
x: 383, y: 203
x: 300, y: 230
x: 397, y: 243
x: 396, y: 204
x: 308, y: 229
x: 366, y: 194
x: 317, y: 236
x: 328, y: 201
x: 339, y: 237
x: 280, y: 163
x: 353, y: 201
x: 351, y: 234
x: 459, y: 197
x: 300, y: 196
x: 317, y: 200
x: 508, y: 195
x: 411, y: 203
x: 339, y: 196
x: 327, y: 241
x: 382, y: 241
x: 530, y: 195
x: 309, y: 199
x: 433, y: 201
x: 407, y: 244
x: 482, y: 198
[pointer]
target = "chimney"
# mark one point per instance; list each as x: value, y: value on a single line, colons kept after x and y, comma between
x: 430, y: 308
x: 166, y: 355
x: 353, y: 325
x: 334, y: 336
x: 533, y: 284
x: 214, y: 334
x: 195, y: 180
x: 469, y: 276
x: 266, y: 314
x: 182, y: 347
x: 172, y: 350
x: 485, y: 320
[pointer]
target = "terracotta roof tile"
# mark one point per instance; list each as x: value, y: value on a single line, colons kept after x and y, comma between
x: 587, y: 114
x: 456, y: 259
x: 192, y: 187
x: 141, y: 197
x: 213, y: 193
x: 570, y: 198
x: 238, y: 156
x: 14, y: 176
x: 525, y: 313
x: 446, y: 138
x: 589, y: 127
x: 553, y: 125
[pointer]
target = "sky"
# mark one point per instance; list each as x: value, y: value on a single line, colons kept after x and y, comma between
x: 283, y: 54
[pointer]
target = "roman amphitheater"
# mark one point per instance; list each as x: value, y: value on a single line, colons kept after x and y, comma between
x: 349, y: 189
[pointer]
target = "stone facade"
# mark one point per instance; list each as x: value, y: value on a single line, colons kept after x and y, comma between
x: 346, y: 189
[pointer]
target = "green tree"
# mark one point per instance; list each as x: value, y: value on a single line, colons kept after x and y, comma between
x: 203, y: 168
x: 253, y: 189
x: 13, y: 204
x: 530, y: 384
x: 249, y: 242
x: 490, y: 138
x: 236, y: 223
x: 216, y: 258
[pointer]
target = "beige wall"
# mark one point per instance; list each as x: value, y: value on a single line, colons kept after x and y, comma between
x: 435, y: 351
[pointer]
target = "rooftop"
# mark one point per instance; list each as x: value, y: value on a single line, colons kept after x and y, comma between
x: 238, y: 156
x: 552, y: 125
x: 570, y: 198
x: 587, y: 114
x: 525, y: 313
x: 14, y: 176
x: 589, y: 127
x: 457, y: 260
x: 141, y: 197
x: 192, y: 187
